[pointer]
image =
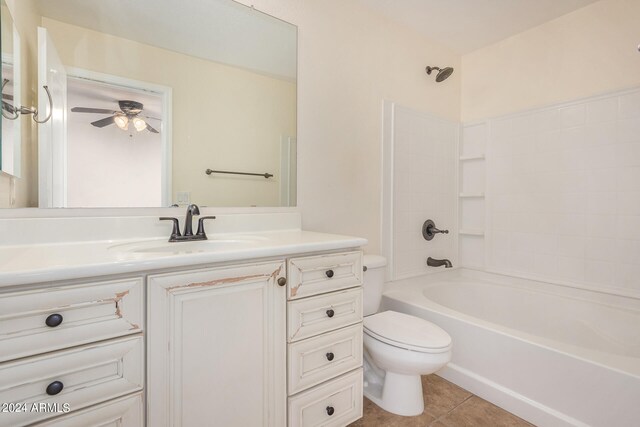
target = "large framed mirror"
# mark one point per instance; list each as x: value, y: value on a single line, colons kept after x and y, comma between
x: 159, y: 103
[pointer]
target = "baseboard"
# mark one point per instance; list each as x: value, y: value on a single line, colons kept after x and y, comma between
x: 507, y: 399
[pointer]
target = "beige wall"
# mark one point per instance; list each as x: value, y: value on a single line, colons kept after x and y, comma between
x: 350, y: 59
x: 590, y: 51
x: 224, y: 117
x: 26, y: 193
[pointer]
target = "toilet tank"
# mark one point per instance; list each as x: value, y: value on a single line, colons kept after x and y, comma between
x: 373, y: 282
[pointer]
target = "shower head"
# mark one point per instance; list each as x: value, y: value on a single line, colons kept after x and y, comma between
x: 443, y: 73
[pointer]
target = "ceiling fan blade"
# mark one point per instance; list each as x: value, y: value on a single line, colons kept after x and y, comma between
x: 103, y: 122
x: 150, y: 129
x: 149, y: 117
x: 7, y: 96
x: 92, y: 110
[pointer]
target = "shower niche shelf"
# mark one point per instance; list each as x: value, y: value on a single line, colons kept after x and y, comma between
x: 470, y: 158
x: 471, y: 193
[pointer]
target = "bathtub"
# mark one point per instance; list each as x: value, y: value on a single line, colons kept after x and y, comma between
x: 553, y: 355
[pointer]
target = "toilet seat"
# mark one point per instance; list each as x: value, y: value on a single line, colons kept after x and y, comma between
x: 407, y: 332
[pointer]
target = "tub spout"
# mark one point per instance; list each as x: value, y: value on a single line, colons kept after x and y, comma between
x: 432, y: 262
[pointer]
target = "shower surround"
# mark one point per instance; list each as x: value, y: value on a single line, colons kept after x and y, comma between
x: 550, y: 194
x: 419, y: 183
x: 563, y: 194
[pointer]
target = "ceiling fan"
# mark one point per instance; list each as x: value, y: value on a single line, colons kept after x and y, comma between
x: 129, y: 113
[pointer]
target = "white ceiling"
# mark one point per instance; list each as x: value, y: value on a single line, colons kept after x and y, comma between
x: 218, y: 30
x: 467, y: 25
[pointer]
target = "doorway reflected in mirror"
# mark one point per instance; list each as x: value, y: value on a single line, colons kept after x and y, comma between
x: 111, y: 159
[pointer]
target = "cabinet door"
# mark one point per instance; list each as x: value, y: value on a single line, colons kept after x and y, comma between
x: 217, y: 347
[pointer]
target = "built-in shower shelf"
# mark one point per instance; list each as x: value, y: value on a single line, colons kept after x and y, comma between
x: 470, y: 195
x: 471, y: 232
x: 467, y: 158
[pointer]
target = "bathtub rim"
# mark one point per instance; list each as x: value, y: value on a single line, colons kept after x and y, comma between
x: 538, y: 285
x: 412, y: 295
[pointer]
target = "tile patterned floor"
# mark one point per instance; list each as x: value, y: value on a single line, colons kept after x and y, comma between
x: 445, y: 405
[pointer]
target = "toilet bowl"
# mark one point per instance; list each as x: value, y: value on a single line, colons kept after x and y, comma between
x: 398, y: 349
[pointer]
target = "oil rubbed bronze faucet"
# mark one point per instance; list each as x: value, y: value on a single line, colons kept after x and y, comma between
x: 432, y: 262
x: 188, y: 221
x: 188, y: 235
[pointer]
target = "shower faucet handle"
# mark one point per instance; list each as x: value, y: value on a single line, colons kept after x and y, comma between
x: 429, y: 230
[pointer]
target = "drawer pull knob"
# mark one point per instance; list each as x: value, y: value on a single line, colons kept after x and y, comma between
x: 282, y: 281
x: 330, y: 410
x: 54, y: 388
x: 329, y: 273
x: 330, y: 356
x: 330, y: 313
x: 53, y: 320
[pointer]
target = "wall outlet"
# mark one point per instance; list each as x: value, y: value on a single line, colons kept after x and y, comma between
x: 184, y: 197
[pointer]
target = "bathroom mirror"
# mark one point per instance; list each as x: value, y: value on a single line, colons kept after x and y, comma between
x: 10, y: 141
x: 158, y: 102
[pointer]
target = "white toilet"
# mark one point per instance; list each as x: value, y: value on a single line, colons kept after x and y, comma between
x: 398, y: 349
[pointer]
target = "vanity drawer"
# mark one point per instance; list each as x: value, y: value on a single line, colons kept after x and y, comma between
x: 323, y: 273
x: 90, y: 312
x: 321, y: 358
x: 123, y: 412
x: 342, y: 398
x: 89, y: 375
x: 313, y: 316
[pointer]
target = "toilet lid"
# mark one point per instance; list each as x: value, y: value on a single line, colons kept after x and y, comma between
x: 405, y: 331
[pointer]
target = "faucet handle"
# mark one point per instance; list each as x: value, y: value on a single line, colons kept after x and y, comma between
x: 175, y: 233
x: 435, y: 230
x: 201, y: 231
x: 429, y: 230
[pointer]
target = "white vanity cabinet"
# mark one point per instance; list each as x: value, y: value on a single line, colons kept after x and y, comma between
x: 325, y: 340
x: 217, y: 347
x: 257, y: 344
x: 267, y: 343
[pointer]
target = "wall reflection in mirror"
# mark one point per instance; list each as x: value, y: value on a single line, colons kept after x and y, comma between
x: 144, y: 104
x: 10, y: 143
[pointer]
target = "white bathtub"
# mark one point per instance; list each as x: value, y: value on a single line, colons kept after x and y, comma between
x: 553, y: 355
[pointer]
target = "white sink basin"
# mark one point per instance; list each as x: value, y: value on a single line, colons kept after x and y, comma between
x: 164, y: 247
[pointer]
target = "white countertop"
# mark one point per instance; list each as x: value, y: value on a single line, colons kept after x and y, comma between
x: 37, y: 263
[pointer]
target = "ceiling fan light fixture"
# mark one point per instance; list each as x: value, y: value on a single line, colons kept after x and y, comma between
x: 139, y: 124
x: 122, y: 122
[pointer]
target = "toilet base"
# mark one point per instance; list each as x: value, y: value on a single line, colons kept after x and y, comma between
x: 395, y: 393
